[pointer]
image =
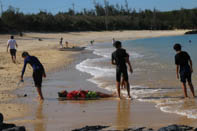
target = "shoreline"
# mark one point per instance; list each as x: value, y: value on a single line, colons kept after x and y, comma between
x: 49, y: 50
x: 60, y: 115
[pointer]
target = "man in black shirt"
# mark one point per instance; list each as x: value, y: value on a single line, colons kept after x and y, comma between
x: 183, y: 68
x: 120, y: 58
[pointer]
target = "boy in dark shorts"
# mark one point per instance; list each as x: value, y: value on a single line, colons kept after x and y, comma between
x: 38, y: 71
x: 184, y: 68
x: 120, y: 58
x: 12, y: 45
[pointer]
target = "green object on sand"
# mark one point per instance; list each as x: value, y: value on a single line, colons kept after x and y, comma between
x: 91, y: 94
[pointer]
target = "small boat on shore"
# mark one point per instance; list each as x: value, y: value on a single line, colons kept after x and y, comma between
x: 72, y: 48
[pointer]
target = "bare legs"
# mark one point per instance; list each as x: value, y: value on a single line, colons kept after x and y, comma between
x: 185, y: 89
x: 14, y: 59
x: 128, y: 88
x: 118, y: 88
x: 39, y: 90
x: 192, y: 89
x: 123, y: 86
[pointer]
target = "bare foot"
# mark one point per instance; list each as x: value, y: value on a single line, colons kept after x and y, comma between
x: 40, y: 99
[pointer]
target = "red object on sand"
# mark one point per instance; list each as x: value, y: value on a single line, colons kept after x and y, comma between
x: 73, y: 94
x: 82, y: 94
x: 77, y: 94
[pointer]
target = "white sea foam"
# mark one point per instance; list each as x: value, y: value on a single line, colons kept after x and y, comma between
x: 107, y: 53
x: 189, y: 113
x: 95, y: 71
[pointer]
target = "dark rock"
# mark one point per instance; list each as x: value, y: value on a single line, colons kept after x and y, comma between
x: 1, y: 118
x: 185, y: 128
x: 17, y: 128
x: 25, y: 95
x: 6, y: 126
x: 169, y: 128
x: 176, y: 128
x: 191, y: 32
x: 135, y: 129
x: 91, y: 128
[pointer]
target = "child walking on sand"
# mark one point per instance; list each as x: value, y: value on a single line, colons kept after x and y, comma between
x: 184, y: 68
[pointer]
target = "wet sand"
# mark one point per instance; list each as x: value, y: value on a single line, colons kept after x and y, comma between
x: 67, y: 115
x: 46, y: 115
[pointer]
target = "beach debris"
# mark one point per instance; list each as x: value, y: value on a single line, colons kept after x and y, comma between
x: 91, y: 128
x: 9, y: 127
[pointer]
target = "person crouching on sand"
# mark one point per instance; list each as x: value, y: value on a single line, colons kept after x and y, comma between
x: 120, y: 58
x: 183, y: 68
x: 38, y: 71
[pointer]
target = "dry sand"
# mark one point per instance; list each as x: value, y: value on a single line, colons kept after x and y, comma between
x: 52, y: 59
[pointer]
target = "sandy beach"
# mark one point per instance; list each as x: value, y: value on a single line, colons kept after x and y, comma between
x: 52, y: 114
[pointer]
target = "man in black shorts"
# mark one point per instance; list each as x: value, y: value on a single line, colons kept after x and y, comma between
x: 12, y: 45
x: 184, y: 68
x: 38, y: 71
x: 120, y: 58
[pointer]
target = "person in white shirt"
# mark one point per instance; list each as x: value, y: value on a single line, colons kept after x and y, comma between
x: 113, y: 41
x: 12, y: 45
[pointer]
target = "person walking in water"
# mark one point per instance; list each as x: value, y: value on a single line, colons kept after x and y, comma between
x: 184, y: 68
x: 12, y: 45
x: 120, y: 58
x: 38, y: 71
x: 61, y: 44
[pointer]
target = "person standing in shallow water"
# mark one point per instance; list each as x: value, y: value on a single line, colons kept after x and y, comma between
x: 184, y: 69
x: 12, y: 45
x: 120, y: 58
x: 61, y: 44
x: 38, y: 71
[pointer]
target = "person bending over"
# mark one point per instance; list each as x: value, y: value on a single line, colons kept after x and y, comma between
x: 38, y: 71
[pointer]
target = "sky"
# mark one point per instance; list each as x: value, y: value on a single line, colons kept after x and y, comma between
x: 55, y: 6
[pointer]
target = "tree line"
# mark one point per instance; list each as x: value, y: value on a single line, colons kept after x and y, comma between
x: 102, y: 17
